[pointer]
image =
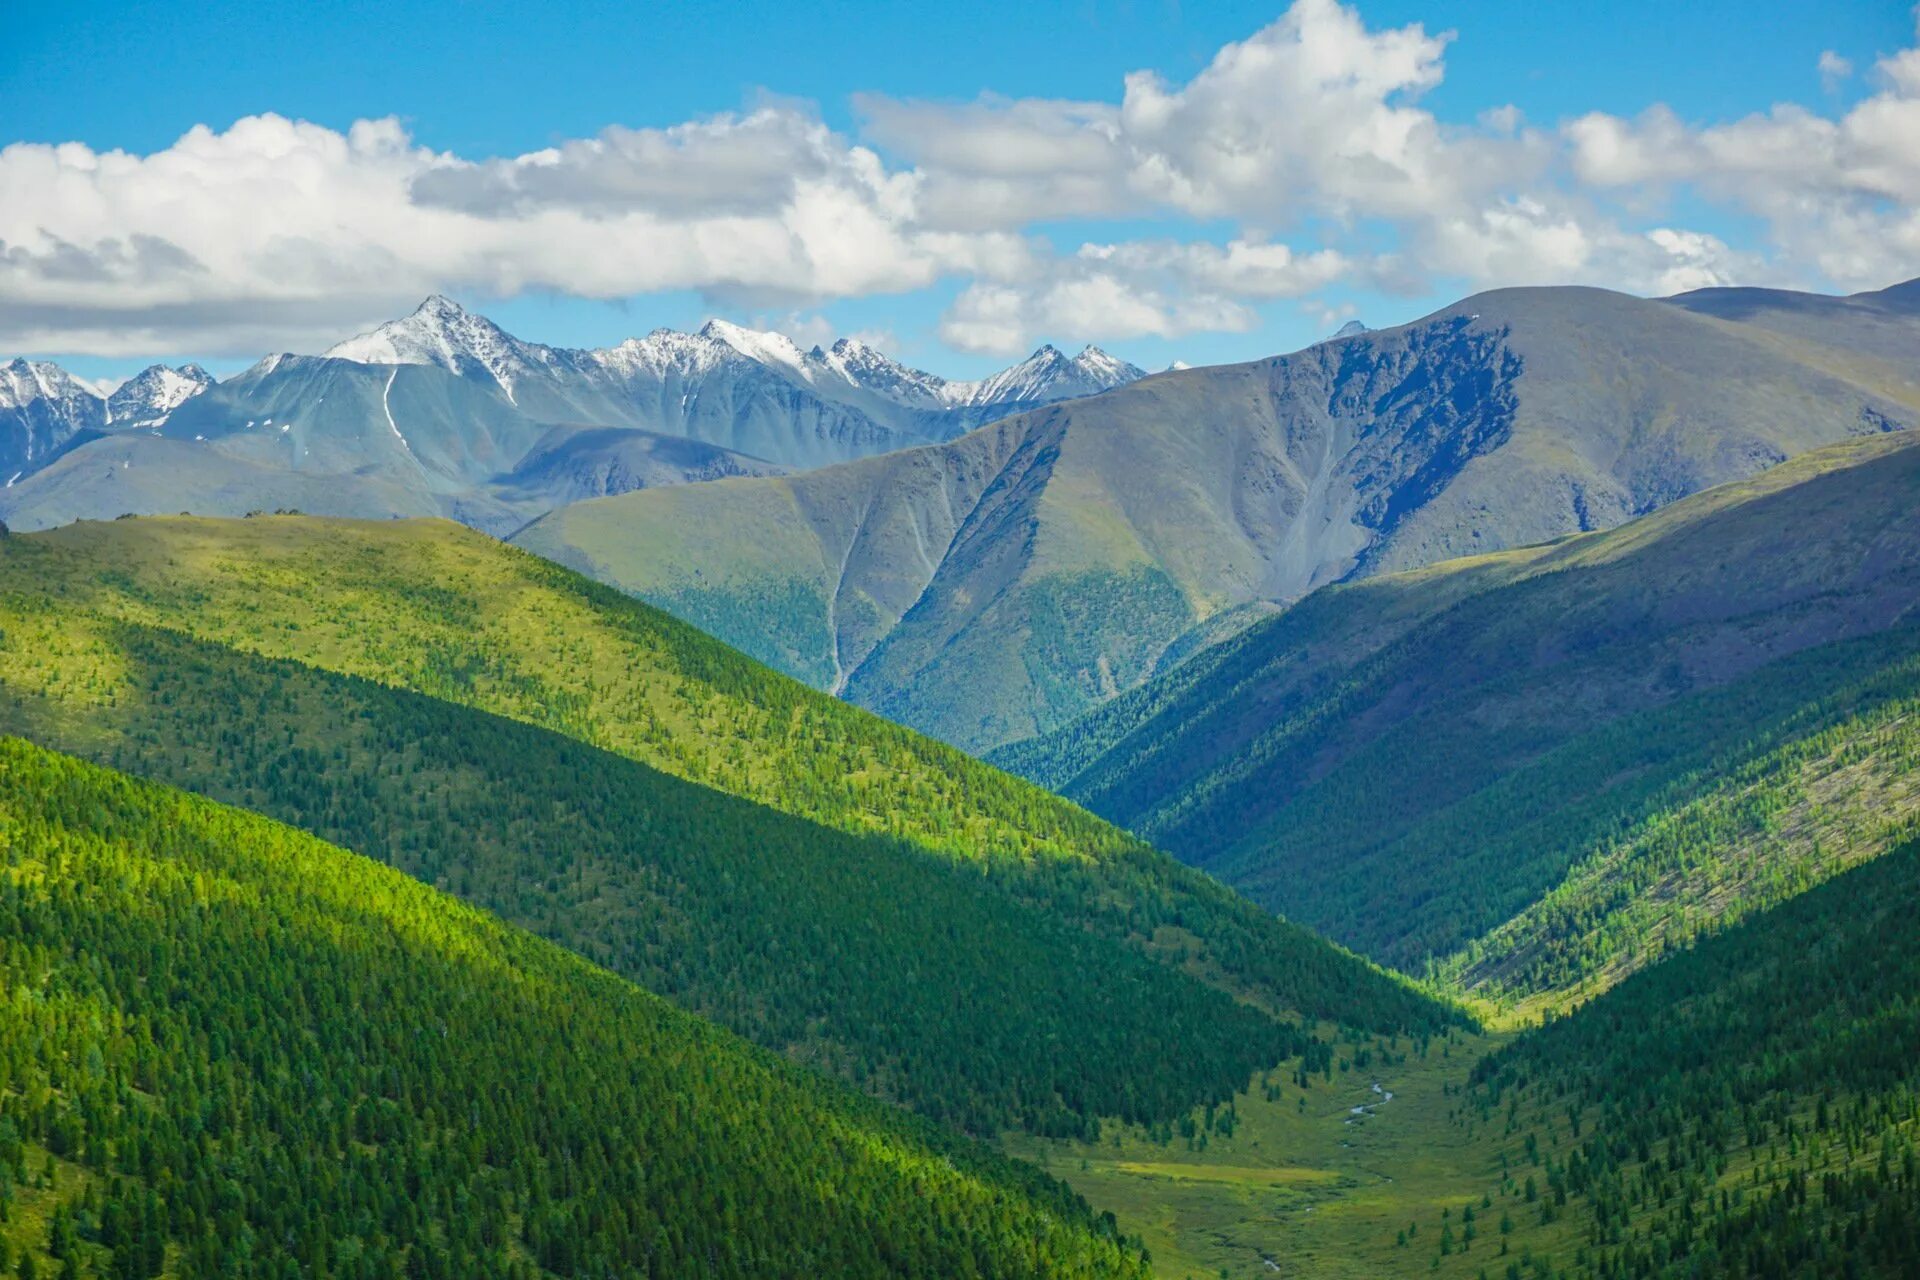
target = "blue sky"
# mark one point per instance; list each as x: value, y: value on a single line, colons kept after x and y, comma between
x: 482, y: 82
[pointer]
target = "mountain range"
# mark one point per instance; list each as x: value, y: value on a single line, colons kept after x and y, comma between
x: 996, y: 587
x: 44, y: 410
x: 1567, y: 660
x: 444, y: 413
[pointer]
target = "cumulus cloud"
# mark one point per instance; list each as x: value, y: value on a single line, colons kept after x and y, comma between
x: 1136, y: 289
x: 1306, y: 151
x: 1839, y: 198
x: 279, y: 227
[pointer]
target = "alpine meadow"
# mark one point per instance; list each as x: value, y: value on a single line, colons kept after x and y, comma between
x: 774, y: 642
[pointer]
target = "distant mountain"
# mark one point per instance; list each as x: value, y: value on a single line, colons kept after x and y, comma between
x: 568, y: 464
x: 436, y: 413
x: 146, y: 399
x: 1351, y: 328
x: 752, y: 392
x: 999, y: 586
x: 42, y: 408
x: 1538, y: 771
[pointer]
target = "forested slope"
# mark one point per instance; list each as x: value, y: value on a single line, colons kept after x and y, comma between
x: 1039, y: 990
x: 231, y: 1049
x: 1539, y: 770
x: 1747, y: 1108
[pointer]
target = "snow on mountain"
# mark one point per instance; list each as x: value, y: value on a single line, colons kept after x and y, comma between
x: 775, y: 349
x: 22, y: 382
x: 746, y: 391
x: 42, y: 407
x: 1047, y: 375
x: 146, y: 399
x: 860, y: 365
x: 441, y: 332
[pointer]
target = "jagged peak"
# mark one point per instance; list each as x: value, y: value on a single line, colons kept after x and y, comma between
x: 439, y: 304
x: 766, y: 346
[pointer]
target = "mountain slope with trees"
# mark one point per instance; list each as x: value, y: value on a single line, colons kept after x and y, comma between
x: 1751, y: 1107
x: 991, y: 956
x: 235, y: 1050
x: 1540, y: 769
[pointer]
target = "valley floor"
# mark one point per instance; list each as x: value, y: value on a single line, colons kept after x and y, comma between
x: 1305, y: 1190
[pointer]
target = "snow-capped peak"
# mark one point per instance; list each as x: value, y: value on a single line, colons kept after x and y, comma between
x: 156, y: 391
x: 23, y: 381
x: 43, y: 406
x: 1046, y: 375
x: 1097, y: 366
x: 755, y: 344
x: 861, y: 365
x: 442, y: 332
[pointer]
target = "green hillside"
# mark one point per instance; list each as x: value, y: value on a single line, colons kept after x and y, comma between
x: 1538, y: 770
x: 1002, y: 584
x: 232, y: 1049
x: 1750, y: 1107
x: 989, y: 988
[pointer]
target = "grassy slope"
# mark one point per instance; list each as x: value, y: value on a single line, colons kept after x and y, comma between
x: 990, y: 889
x: 458, y: 616
x: 234, y: 1049
x: 1568, y: 757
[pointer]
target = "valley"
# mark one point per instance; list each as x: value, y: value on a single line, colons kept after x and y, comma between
x: 994, y: 642
x: 1434, y: 803
x: 1599, y: 747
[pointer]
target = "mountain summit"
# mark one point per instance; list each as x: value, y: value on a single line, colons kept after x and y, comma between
x: 441, y: 332
x: 443, y: 412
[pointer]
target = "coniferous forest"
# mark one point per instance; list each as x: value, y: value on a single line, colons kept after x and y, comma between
x: 233, y: 1050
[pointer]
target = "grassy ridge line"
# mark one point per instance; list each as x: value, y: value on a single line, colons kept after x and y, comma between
x: 270, y: 1057
x: 451, y: 614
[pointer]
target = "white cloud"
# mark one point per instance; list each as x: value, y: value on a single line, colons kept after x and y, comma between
x: 1839, y: 197
x: 277, y: 229
x: 1834, y: 70
x: 1308, y: 144
x: 1312, y: 114
x: 1161, y: 288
